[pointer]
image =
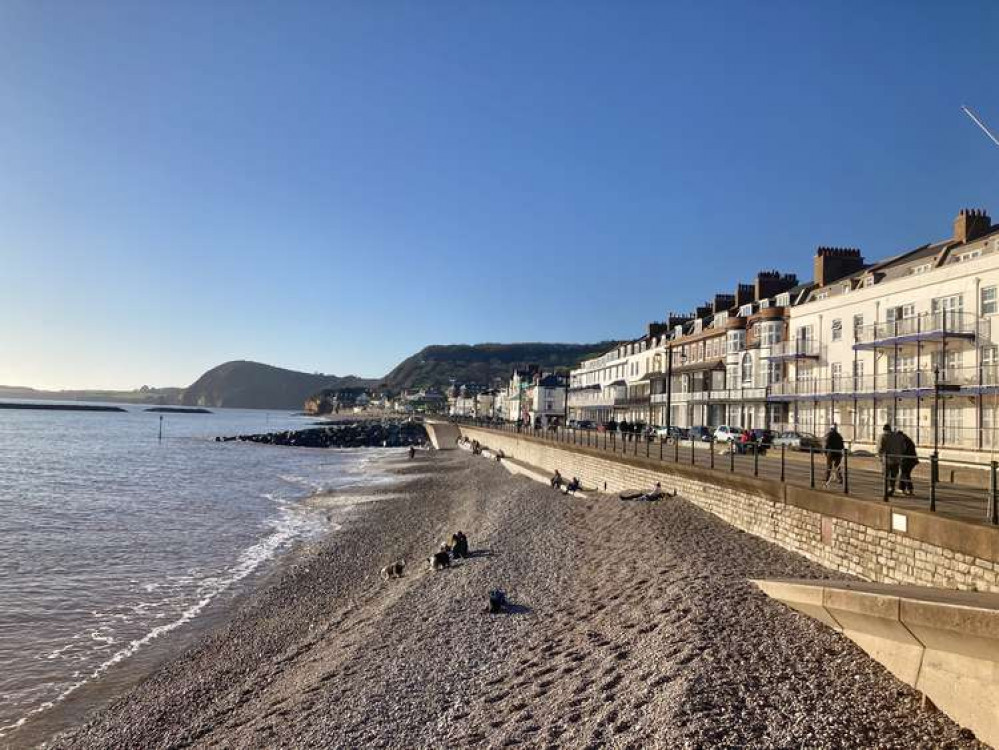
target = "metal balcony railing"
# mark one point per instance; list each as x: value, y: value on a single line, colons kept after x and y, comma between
x: 796, y: 349
x: 929, y: 326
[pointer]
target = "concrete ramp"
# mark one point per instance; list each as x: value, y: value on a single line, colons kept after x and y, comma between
x: 943, y: 643
x: 443, y: 435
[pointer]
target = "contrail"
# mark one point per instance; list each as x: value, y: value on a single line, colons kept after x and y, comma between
x: 981, y: 124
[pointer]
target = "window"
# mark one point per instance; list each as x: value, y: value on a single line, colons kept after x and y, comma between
x: 920, y: 269
x: 858, y: 323
x: 836, y: 370
x: 746, y: 310
x: 858, y: 369
x: 846, y: 288
x: 774, y: 373
x: 747, y: 370
x: 968, y: 255
x: 988, y: 300
x: 720, y: 319
x: 821, y: 296
x: 869, y: 280
x: 736, y: 341
x: 783, y: 300
x: 900, y: 312
x: 953, y: 303
x: 837, y: 330
x: 769, y: 333
x: 764, y: 304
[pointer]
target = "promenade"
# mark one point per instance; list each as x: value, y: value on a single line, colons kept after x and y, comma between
x: 967, y: 497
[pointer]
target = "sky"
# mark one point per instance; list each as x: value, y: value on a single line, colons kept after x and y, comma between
x: 332, y: 186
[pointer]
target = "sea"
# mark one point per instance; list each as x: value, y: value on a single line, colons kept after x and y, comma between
x: 119, y: 531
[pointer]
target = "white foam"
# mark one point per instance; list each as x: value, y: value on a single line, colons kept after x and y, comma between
x: 286, y: 529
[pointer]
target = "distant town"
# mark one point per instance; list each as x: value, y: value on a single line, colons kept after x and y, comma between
x: 906, y: 341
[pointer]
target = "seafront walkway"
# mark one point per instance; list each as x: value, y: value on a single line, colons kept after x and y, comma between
x: 963, y: 490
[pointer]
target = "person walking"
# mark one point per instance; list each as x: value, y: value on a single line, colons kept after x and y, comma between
x: 833, y: 446
x: 907, y: 464
x: 890, y: 452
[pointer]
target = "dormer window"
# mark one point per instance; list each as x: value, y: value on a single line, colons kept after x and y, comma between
x: 764, y: 304
x: 697, y: 325
x: 968, y: 255
x: 720, y: 319
x: 821, y: 295
x: 869, y: 280
x: 746, y: 310
x: 846, y: 288
x: 921, y: 269
x: 783, y: 300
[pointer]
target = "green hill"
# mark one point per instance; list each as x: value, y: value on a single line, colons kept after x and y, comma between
x: 252, y: 385
x: 484, y: 364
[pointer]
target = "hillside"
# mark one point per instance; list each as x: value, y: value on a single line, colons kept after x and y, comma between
x: 252, y: 385
x: 484, y: 364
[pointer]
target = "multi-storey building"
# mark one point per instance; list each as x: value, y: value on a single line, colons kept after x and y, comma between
x: 906, y: 342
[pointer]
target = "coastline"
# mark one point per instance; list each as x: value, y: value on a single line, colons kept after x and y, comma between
x: 96, y: 692
x: 634, y: 624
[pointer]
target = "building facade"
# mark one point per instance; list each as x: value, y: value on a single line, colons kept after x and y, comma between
x: 907, y: 341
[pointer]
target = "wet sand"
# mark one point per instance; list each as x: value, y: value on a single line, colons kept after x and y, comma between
x: 633, y: 625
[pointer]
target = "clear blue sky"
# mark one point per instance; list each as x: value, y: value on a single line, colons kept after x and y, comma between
x: 332, y: 186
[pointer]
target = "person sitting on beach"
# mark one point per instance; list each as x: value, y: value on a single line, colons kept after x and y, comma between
x: 656, y: 494
x: 556, y: 481
x: 573, y: 486
x: 459, y: 545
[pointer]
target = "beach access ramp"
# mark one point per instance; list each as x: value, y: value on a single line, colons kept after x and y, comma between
x: 443, y: 435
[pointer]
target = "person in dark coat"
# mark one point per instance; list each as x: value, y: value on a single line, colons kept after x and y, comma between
x: 890, y: 448
x: 834, y: 455
x: 908, y: 463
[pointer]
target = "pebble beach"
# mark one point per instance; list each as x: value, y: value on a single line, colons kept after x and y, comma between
x: 631, y: 625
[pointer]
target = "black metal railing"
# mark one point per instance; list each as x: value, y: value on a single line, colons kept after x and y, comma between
x: 962, y: 489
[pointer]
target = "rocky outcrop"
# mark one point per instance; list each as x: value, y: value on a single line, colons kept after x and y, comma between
x: 363, y: 434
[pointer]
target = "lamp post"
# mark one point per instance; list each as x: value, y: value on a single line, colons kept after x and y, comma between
x: 669, y: 389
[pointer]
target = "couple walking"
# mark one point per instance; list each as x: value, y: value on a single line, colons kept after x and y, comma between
x: 897, y: 453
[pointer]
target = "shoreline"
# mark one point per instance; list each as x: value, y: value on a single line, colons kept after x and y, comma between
x: 44, y: 724
x: 634, y: 624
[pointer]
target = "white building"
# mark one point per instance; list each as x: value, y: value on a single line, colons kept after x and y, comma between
x: 869, y: 345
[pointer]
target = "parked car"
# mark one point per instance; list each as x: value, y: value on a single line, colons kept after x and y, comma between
x: 585, y: 424
x: 763, y: 437
x: 672, y: 433
x: 799, y: 441
x: 704, y: 434
x: 728, y: 434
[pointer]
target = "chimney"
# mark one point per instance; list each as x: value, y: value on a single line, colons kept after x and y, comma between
x: 832, y: 263
x: 970, y: 224
x: 677, y: 319
x: 722, y: 302
x: 743, y: 294
x: 703, y: 311
x: 658, y: 329
x: 771, y: 283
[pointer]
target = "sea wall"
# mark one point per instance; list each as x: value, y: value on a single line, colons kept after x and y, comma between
x: 873, y: 540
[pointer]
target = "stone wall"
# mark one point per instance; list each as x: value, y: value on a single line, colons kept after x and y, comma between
x: 872, y: 540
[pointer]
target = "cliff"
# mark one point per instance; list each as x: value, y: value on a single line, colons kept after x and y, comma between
x: 251, y: 385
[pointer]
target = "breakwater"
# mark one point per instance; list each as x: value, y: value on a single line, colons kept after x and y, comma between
x: 386, y: 433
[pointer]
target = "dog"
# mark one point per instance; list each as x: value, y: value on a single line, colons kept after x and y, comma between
x: 439, y: 560
x: 395, y: 570
x: 497, y: 601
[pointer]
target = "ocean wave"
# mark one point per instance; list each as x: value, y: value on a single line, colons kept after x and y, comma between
x: 291, y: 526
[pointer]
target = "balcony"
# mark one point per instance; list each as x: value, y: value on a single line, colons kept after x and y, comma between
x: 795, y: 349
x: 889, y: 384
x: 928, y: 327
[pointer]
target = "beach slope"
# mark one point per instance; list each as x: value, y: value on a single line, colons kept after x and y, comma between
x: 632, y: 625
